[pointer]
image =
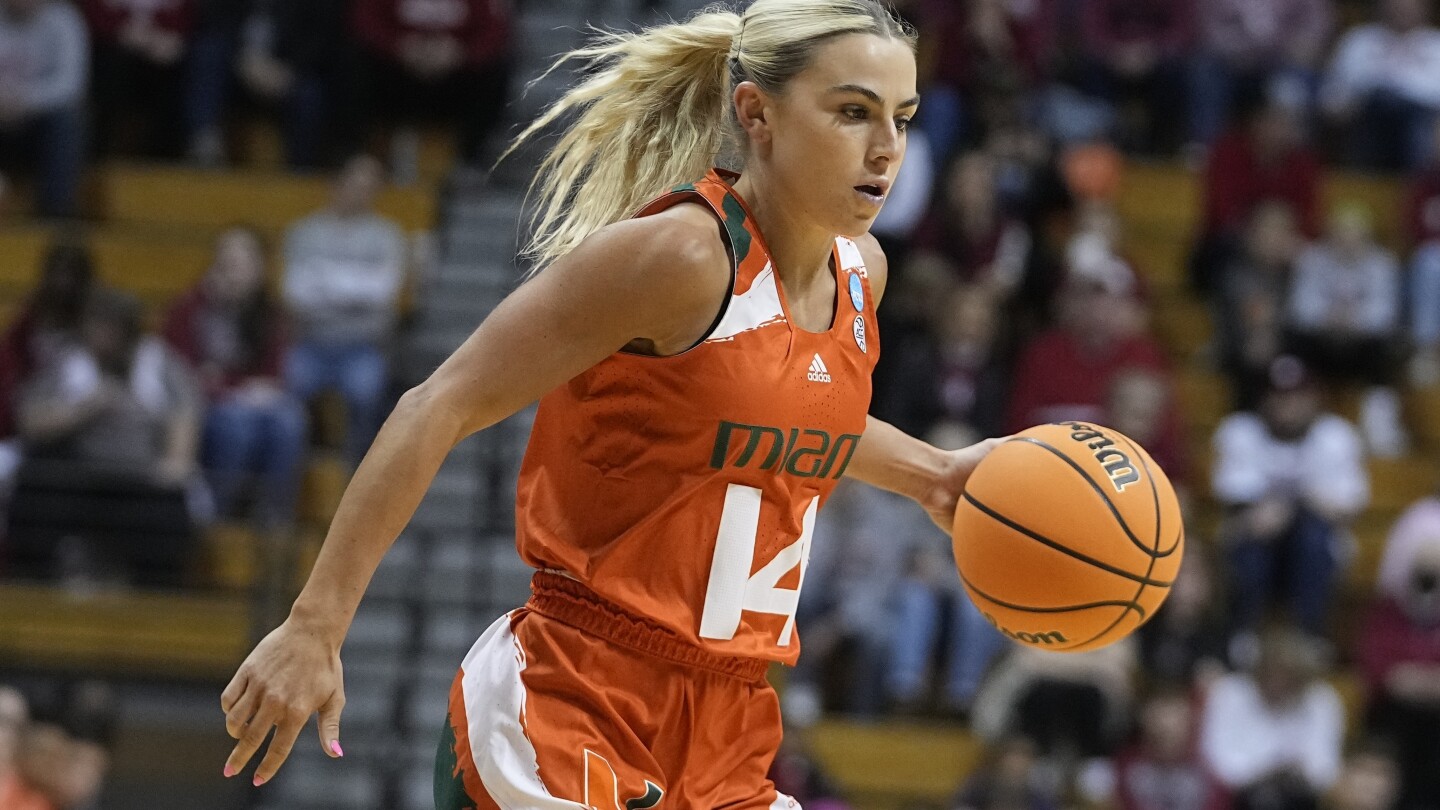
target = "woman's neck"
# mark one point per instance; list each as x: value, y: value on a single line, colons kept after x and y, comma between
x: 799, y: 250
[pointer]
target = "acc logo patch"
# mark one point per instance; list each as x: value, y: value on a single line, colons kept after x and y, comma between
x: 860, y: 333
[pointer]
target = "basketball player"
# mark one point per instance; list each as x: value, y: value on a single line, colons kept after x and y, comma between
x: 703, y: 367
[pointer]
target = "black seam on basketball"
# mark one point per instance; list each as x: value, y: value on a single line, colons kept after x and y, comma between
x: 1063, y: 609
x: 1042, y: 539
x: 1135, y: 600
x: 1120, y: 519
x: 1149, y: 473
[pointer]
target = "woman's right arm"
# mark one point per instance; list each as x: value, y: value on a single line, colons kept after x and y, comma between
x: 661, y: 279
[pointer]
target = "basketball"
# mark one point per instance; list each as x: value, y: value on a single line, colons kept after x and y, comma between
x: 1068, y: 537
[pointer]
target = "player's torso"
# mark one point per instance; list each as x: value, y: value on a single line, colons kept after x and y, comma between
x: 684, y: 488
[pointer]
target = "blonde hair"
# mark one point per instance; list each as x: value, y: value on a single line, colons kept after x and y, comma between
x: 656, y: 112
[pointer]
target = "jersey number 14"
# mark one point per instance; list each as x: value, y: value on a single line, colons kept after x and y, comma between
x: 732, y: 588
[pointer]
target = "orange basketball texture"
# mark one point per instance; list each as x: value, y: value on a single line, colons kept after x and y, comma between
x: 1068, y: 537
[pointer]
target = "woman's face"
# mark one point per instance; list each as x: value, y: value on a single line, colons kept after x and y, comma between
x: 239, y: 267
x: 835, y: 137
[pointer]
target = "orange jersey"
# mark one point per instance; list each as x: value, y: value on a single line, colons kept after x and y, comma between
x: 684, y: 489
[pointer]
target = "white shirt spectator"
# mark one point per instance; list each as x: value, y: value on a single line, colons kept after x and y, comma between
x: 45, y: 59
x: 343, y: 277
x: 1243, y: 738
x: 1375, y: 57
x: 1258, y: 32
x: 1326, y: 465
x: 1360, y: 297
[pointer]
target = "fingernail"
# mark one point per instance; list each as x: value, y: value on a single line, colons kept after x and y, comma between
x: 259, y: 780
x: 229, y: 771
x: 335, y: 746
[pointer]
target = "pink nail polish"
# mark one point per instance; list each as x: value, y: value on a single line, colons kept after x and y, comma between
x: 335, y: 746
x: 229, y: 771
x: 259, y: 780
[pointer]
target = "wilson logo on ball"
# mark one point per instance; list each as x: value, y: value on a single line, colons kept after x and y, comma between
x: 1117, y: 465
x: 1048, y: 637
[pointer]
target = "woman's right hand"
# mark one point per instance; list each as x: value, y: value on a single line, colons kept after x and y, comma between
x: 292, y: 673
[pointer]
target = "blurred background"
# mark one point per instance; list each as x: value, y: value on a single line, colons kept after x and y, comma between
x: 233, y: 231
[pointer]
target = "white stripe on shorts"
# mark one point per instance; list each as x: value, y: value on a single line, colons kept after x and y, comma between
x: 495, y: 712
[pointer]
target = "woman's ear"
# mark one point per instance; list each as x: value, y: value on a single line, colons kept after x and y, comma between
x: 752, y: 109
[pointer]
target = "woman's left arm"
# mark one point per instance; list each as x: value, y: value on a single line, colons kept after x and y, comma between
x: 891, y: 460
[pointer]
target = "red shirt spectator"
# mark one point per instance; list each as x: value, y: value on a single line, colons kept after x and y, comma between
x: 978, y: 32
x: 481, y: 27
x: 1392, y: 638
x: 1166, y: 26
x: 184, y: 330
x: 108, y: 19
x: 1422, y: 208
x: 1264, y: 160
x: 1060, y: 378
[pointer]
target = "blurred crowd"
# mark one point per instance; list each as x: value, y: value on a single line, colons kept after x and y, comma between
x: 1013, y: 300
x: 124, y: 434
x: 169, y: 79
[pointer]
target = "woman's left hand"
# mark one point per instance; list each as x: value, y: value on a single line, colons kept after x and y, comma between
x: 944, y: 496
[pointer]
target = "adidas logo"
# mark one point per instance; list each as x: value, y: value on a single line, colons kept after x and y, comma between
x: 818, y: 372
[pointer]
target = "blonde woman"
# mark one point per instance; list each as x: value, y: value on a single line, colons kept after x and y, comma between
x: 702, y: 359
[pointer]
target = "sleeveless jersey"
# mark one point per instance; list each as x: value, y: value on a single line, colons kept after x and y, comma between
x: 683, y: 489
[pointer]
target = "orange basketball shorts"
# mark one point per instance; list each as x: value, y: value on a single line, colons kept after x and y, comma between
x: 569, y: 703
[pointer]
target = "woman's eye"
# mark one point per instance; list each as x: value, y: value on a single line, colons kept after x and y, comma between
x: 902, y: 124
x: 857, y: 113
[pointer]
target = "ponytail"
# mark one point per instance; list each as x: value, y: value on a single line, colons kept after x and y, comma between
x: 655, y: 112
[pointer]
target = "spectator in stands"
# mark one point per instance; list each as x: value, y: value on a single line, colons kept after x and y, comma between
x: 1369, y: 780
x: 214, y: 41
x: 61, y: 773
x: 344, y: 273
x: 1253, y: 45
x: 1185, y: 642
x: 846, y: 607
x: 1008, y: 778
x: 1264, y: 157
x: 975, y: 55
x: 110, y: 434
x: 1423, y: 232
x: 954, y: 377
x: 1250, y: 299
x: 231, y: 333
x: 1381, y: 82
x: 1343, y: 319
x: 138, y: 74
x: 1399, y: 651
x: 14, y: 714
x: 1136, y: 50
x: 1140, y: 405
x: 933, y: 616
x: 1274, y: 737
x: 1162, y: 770
x: 1417, y: 527
x: 435, y: 58
x: 44, y: 54
x: 1067, y: 372
x: 298, y: 56
x: 1290, y: 477
x: 46, y: 326
x: 1073, y: 706
x: 967, y: 239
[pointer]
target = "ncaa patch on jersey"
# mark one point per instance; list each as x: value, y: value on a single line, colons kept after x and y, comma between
x: 860, y: 333
x: 857, y: 292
